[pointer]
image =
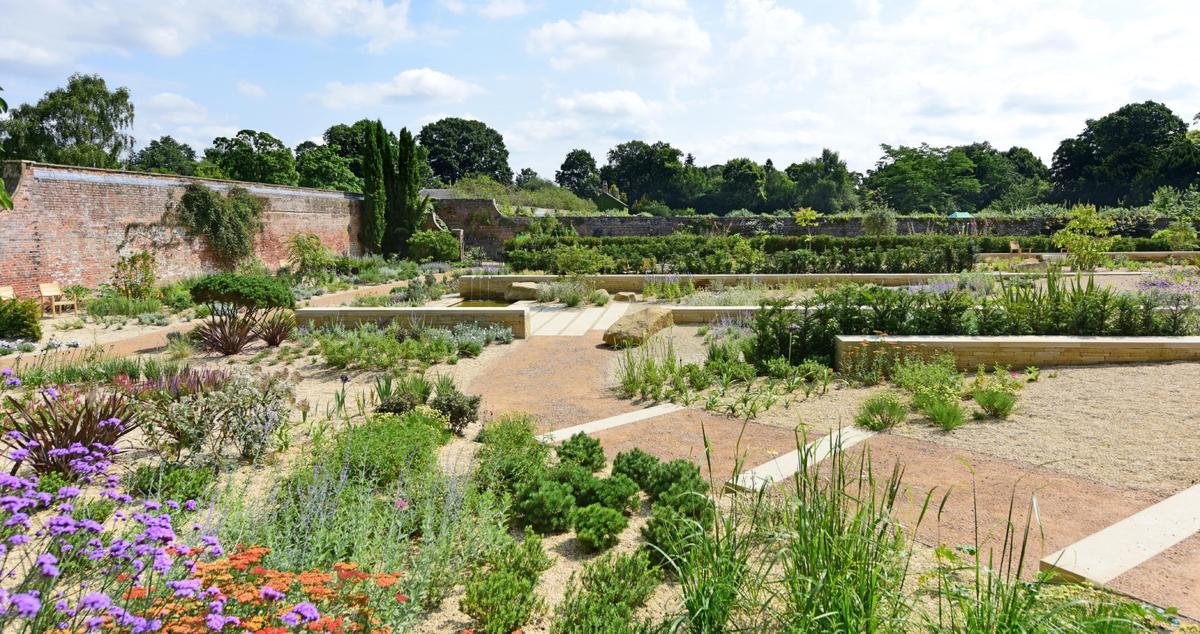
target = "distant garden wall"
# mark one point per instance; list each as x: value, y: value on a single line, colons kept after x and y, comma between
x: 484, y: 227
x: 69, y: 224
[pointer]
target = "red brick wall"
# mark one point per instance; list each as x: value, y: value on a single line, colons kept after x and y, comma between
x: 70, y: 224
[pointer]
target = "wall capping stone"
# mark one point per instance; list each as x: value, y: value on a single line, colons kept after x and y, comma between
x: 1037, y: 350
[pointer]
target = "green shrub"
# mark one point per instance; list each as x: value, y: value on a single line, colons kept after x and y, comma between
x: 433, y: 246
x: 946, y: 413
x: 122, y: 306
x: 679, y: 470
x: 597, y: 527
x: 995, y: 402
x: 19, y: 319
x: 251, y: 292
x: 461, y: 409
x: 583, y: 450
x: 929, y: 381
x: 584, y: 486
x: 599, y: 297
x: 690, y: 499
x: 502, y: 599
x: 637, y: 465
x: 604, y: 599
x: 545, y: 506
x: 386, y: 446
x: 669, y: 534
x: 133, y: 275
x: 171, y: 481
x: 880, y: 412
x: 411, y: 391
x: 617, y: 492
x: 578, y: 261
x: 511, y: 455
x: 177, y: 296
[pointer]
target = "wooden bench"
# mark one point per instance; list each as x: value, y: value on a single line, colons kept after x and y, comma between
x: 1014, y: 247
x: 6, y: 292
x: 53, y: 298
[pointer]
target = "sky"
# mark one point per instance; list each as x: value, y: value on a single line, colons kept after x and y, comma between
x: 719, y: 79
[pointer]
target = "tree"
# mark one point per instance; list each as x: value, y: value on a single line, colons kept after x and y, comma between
x: 324, y: 167
x: 823, y: 183
x: 924, y: 179
x: 81, y: 124
x: 411, y: 206
x: 1085, y: 237
x: 529, y: 180
x: 1122, y: 157
x: 779, y: 188
x: 742, y: 184
x: 461, y: 147
x: 165, y: 156
x: 255, y: 157
x: 374, y: 208
x: 578, y: 173
x: 350, y: 141
x: 643, y: 170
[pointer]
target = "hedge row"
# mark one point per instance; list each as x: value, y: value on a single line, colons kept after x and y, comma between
x: 928, y: 253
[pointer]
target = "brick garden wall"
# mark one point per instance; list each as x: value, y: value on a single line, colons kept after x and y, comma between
x: 70, y: 224
x: 484, y: 227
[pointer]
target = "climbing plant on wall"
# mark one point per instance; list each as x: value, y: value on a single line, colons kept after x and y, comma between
x: 228, y: 223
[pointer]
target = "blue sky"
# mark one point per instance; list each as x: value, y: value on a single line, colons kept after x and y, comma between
x: 720, y: 79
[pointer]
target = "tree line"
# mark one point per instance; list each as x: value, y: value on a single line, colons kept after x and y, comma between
x: 1121, y: 158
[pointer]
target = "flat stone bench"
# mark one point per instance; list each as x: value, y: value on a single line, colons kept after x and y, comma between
x: 515, y: 318
x: 1021, y: 351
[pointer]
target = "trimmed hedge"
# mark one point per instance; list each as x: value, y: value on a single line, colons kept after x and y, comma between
x: 244, y: 291
x: 926, y: 253
x: 19, y: 319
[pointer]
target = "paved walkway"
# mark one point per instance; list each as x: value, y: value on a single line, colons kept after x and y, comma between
x: 560, y: 321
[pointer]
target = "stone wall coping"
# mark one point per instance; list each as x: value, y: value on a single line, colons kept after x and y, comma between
x: 1002, y: 340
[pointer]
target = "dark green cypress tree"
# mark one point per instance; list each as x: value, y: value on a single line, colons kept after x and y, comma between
x: 408, y: 188
x: 391, y: 207
x: 374, y: 192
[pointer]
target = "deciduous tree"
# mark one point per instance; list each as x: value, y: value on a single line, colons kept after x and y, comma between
x: 255, y: 157
x: 165, y: 156
x: 83, y: 123
x: 463, y: 147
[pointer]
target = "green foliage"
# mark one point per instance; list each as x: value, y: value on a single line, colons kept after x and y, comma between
x: 228, y: 223
x: 251, y: 292
x: 20, y: 319
x: 604, y: 599
x: 946, y: 413
x: 1086, y: 238
x: 929, y: 381
x: 879, y: 221
x: 165, y: 155
x: 578, y: 173
x: 511, y: 455
x: 307, y: 256
x: 994, y: 402
x: 83, y: 123
x: 254, y: 157
x: 460, y: 409
x: 122, y: 306
x: 386, y: 446
x: 578, y: 261
x: 433, y: 246
x: 518, y: 200
x: 324, y: 167
x: 584, y: 486
x: 545, y: 505
x: 637, y: 465
x: 597, y: 527
x: 678, y: 471
x: 408, y: 210
x: 617, y: 492
x: 669, y: 534
x: 171, y: 481
x: 375, y: 194
x: 412, y: 391
x: 133, y: 275
x: 881, y: 412
x: 1180, y: 235
x: 502, y: 599
x: 461, y: 147
x: 583, y: 450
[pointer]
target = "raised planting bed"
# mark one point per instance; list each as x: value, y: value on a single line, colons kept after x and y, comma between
x: 1132, y: 256
x: 1022, y: 351
x: 515, y: 318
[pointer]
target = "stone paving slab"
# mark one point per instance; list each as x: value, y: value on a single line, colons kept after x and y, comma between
x: 784, y: 467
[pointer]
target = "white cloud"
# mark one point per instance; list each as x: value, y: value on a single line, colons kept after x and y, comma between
x: 60, y: 31
x: 491, y: 9
x: 417, y: 84
x: 585, y: 117
x: 631, y: 40
x: 251, y: 89
x: 614, y: 103
x: 168, y: 113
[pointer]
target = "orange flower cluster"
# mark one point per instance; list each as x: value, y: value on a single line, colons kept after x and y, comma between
x: 260, y: 597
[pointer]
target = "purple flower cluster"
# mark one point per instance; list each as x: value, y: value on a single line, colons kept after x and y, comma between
x: 138, y: 548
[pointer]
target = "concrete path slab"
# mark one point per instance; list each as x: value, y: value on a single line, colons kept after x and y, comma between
x: 1107, y: 554
x: 559, y: 322
x: 612, y: 313
x: 785, y: 466
x: 560, y: 435
x: 583, y: 323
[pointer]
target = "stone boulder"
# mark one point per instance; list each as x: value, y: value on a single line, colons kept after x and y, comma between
x: 635, y: 328
x: 521, y: 291
x: 625, y: 296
